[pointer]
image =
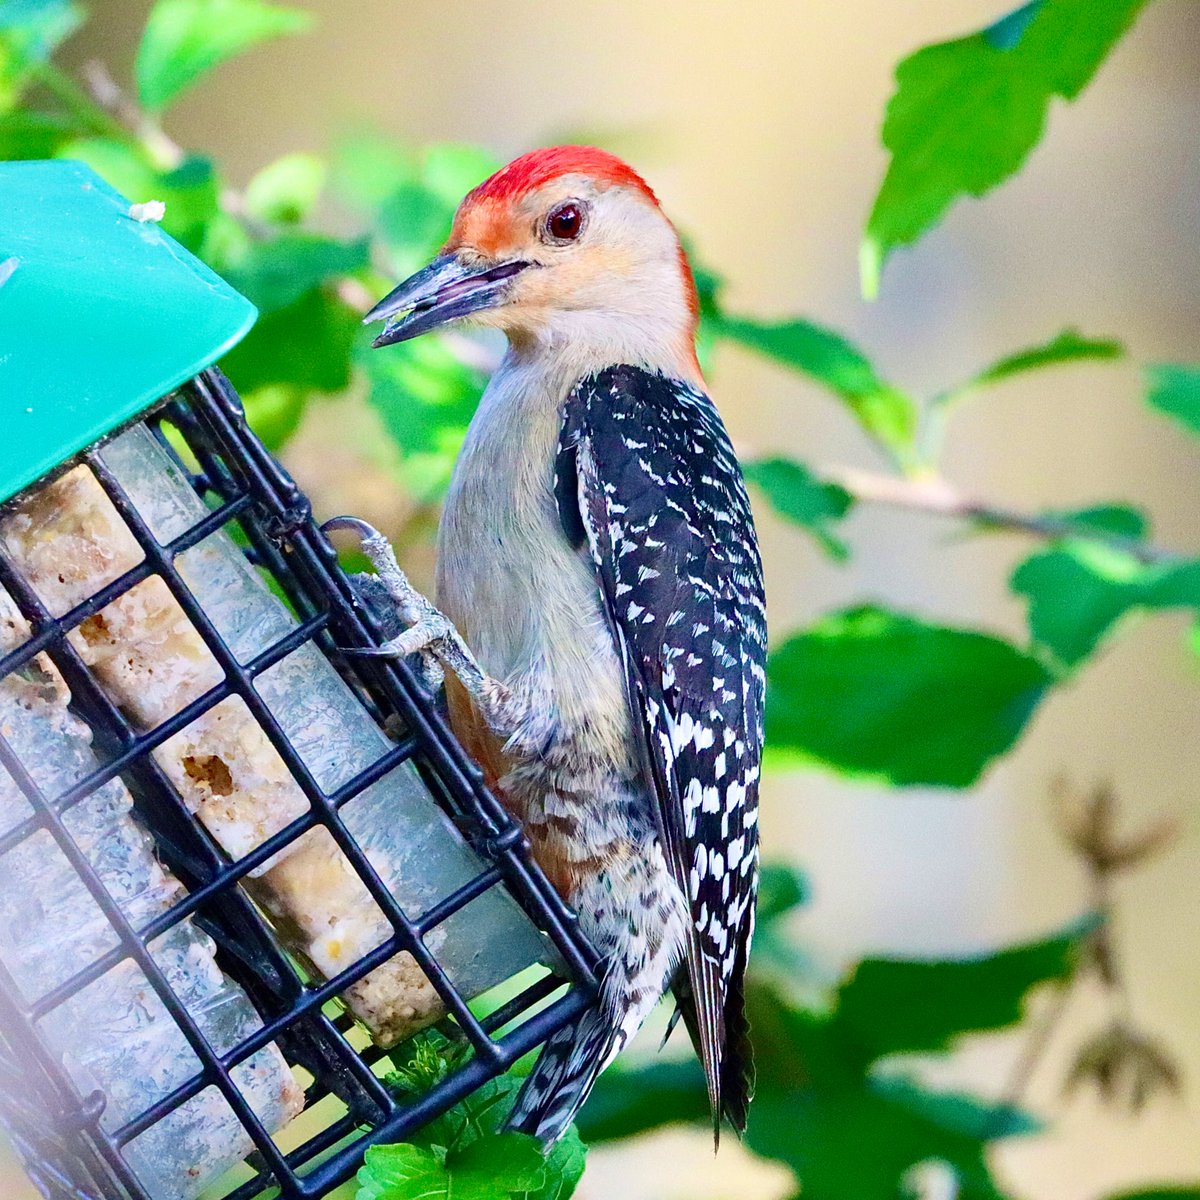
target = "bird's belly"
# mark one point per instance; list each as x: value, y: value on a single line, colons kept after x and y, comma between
x: 529, y: 607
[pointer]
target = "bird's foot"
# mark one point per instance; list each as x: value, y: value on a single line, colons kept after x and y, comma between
x: 430, y: 633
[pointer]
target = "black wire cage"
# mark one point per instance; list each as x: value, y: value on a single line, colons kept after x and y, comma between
x: 238, y: 862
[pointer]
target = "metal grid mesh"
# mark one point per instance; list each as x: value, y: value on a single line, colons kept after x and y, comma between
x: 68, y: 1147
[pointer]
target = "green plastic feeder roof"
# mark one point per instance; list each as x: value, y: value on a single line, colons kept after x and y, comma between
x: 100, y: 315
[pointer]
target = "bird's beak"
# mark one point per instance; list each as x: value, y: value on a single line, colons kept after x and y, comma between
x: 441, y: 292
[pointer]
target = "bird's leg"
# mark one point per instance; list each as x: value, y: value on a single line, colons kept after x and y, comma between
x: 431, y: 634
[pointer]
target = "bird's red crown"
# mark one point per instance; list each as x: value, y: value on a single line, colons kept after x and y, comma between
x: 539, y: 167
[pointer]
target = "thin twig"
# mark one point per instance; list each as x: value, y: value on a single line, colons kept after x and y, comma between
x: 933, y: 494
x: 110, y: 99
x: 1030, y: 1058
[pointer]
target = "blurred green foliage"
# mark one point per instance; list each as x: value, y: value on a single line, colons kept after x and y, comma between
x: 867, y: 693
x: 794, y: 492
x: 184, y: 39
x: 1163, y: 1193
x: 465, y: 1154
x: 894, y: 698
x: 967, y: 113
x: 1174, y: 389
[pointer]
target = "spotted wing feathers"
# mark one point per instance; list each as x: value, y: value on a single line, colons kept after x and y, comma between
x: 664, y: 509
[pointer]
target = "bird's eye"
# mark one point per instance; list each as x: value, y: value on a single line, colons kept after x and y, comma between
x: 565, y: 223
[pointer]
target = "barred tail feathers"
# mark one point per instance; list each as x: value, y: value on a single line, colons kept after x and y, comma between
x: 634, y: 914
x: 562, y: 1078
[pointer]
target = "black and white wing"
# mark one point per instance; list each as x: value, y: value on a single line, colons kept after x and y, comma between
x: 647, y: 475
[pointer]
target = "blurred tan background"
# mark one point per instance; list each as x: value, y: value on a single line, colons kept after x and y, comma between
x: 758, y: 126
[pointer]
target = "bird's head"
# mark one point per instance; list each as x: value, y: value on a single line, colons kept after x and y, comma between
x: 564, y: 246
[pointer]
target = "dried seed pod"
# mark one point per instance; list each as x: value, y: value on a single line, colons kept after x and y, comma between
x: 1126, y: 1067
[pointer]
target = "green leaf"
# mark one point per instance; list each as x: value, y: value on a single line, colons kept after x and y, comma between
x: 306, y: 333
x: 368, y: 166
x: 469, y: 1142
x: 874, y: 693
x: 393, y: 1172
x: 416, y: 220
x: 819, y: 1102
x: 413, y: 194
x: 497, y: 1165
x: 191, y: 193
x: 781, y: 889
x: 1078, y: 591
x: 819, y: 1110
x: 563, y: 1168
x: 1069, y: 346
x: 30, y: 32
x: 33, y: 135
x: 903, y: 1006
x: 426, y: 397
x: 625, y: 1102
x: 275, y: 413
x: 184, y: 39
x: 226, y: 243
x: 956, y: 1112
x: 308, y: 344
x: 708, y: 286
x: 885, y: 412
x: 286, y: 190
x: 118, y: 163
x: 853, y: 1145
x: 277, y: 273
x: 481, y: 1112
x: 966, y: 113
x: 422, y: 1062
x: 1115, y: 520
x: 416, y: 214
x: 1174, y: 389
x: 797, y: 494
x: 492, y: 1167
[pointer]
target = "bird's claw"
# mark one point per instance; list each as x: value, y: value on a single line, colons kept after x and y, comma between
x: 364, y: 529
x: 431, y: 634
x: 427, y: 635
x: 429, y: 631
x: 425, y: 638
x: 411, y: 605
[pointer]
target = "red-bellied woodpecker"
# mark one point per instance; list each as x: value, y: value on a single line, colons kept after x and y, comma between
x: 604, y: 627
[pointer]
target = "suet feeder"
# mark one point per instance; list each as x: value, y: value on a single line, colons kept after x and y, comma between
x: 238, y: 864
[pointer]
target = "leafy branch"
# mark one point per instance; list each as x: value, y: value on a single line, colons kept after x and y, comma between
x: 844, y: 1072
x: 839, y: 1097
x: 465, y: 1153
x: 967, y: 113
x: 887, y: 696
x: 937, y: 497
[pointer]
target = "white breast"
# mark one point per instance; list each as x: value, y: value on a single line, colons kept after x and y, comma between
x: 526, y: 602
